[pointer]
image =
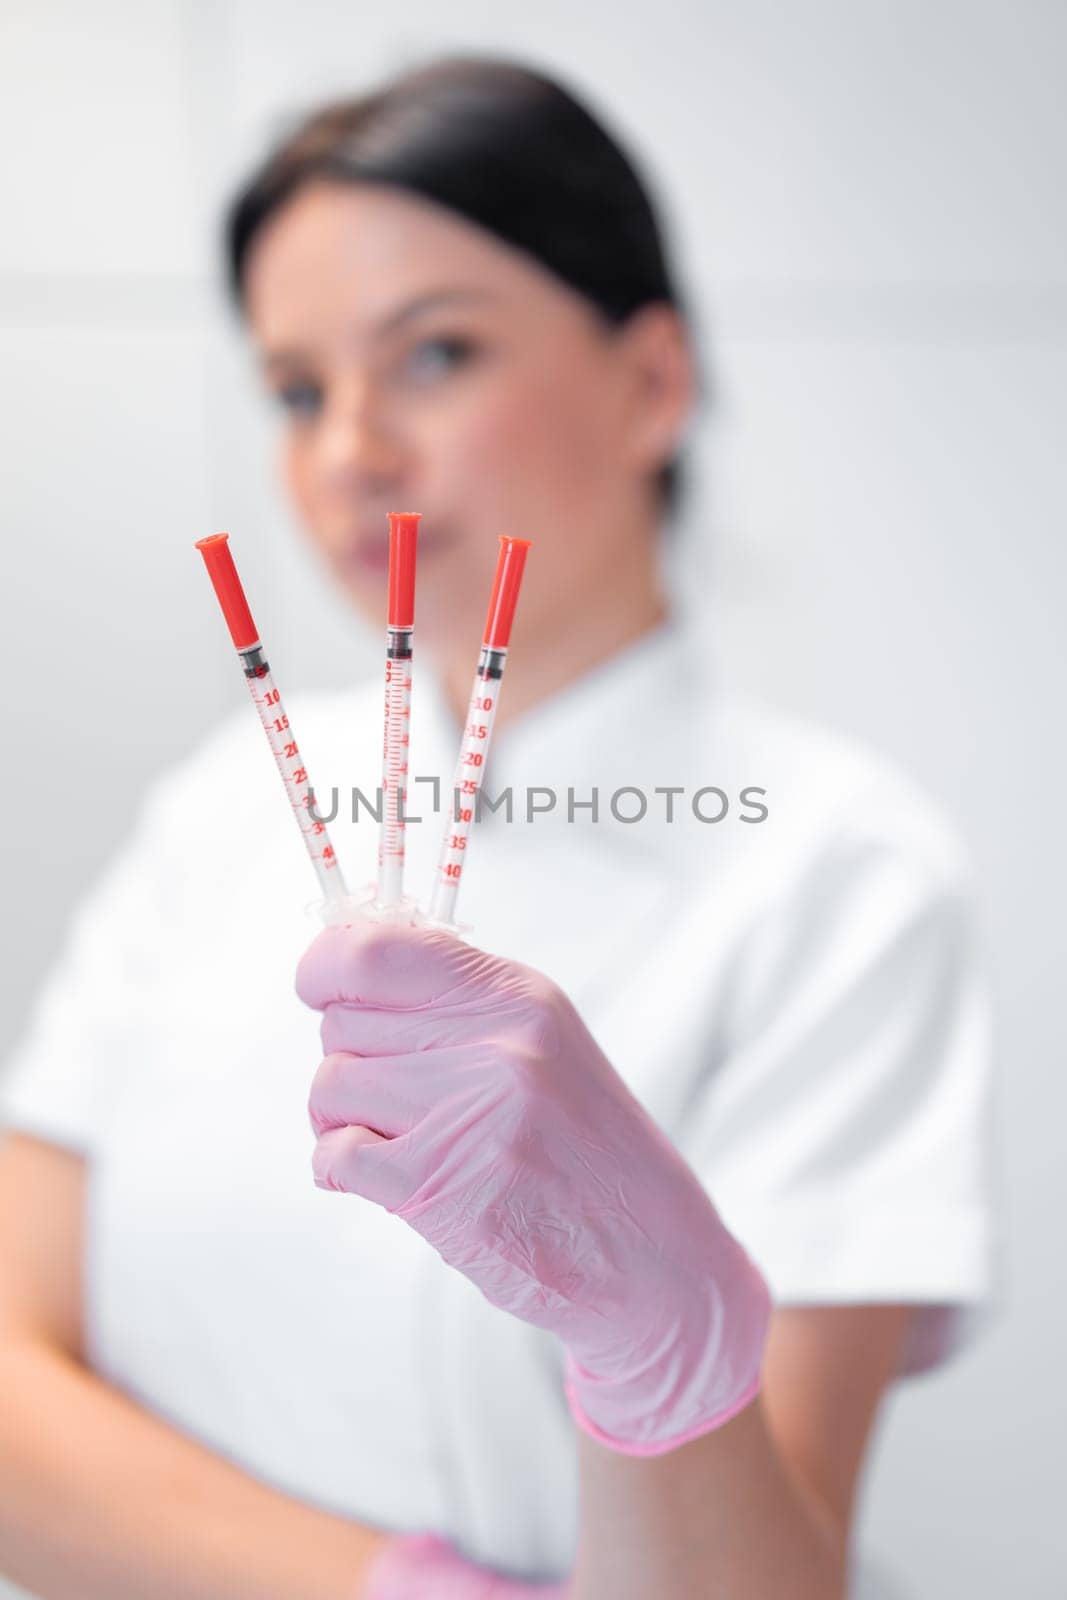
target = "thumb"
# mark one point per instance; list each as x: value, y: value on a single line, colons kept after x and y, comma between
x: 355, y: 1160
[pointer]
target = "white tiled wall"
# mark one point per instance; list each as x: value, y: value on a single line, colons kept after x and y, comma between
x: 870, y: 201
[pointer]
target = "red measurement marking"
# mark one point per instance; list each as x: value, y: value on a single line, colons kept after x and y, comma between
x: 271, y: 698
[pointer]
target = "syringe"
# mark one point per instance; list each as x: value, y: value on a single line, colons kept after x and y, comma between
x: 403, y: 536
x: 231, y: 596
x: 481, y: 713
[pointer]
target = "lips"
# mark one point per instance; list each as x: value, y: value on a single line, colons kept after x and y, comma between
x: 370, y: 554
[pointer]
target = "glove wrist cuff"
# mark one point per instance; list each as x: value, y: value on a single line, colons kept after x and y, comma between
x: 659, y: 1446
x: 700, y: 1369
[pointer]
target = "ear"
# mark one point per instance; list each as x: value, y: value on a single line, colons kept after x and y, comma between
x: 656, y: 350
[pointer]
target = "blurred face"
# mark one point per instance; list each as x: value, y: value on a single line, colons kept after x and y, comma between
x: 421, y: 365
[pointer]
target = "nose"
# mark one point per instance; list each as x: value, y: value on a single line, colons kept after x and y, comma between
x: 360, y: 449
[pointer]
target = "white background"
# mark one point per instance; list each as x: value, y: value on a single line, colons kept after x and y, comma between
x: 869, y: 202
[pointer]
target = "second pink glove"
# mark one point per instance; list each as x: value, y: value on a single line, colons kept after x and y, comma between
x: 423, y: 1567
x: 465, y: 1094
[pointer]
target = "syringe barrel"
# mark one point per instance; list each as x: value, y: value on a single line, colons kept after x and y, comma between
x: 467, y: 782
x: 294, y: 775
x: 395, y: 765
x: 218, y: 559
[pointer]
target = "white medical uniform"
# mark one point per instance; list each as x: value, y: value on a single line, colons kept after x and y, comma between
x: 798, y: 1001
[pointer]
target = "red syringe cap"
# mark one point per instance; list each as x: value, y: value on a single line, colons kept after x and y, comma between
x: 227, y: 585
x: 403, y: 534
x: 505, y: 595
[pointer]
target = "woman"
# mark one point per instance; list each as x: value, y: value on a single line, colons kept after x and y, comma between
x: 531, y: 1345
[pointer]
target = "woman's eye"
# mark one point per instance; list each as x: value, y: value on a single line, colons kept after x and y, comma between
x: 300, y: 400
x: 433, y: 358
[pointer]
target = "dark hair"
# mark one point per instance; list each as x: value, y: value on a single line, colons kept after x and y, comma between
x: 504, y: 146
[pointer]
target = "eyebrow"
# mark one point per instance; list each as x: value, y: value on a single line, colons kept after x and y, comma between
x: 431, y: 301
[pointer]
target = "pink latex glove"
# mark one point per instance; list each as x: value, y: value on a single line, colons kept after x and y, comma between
x: 423, y: 1567
x: 465, y: 1094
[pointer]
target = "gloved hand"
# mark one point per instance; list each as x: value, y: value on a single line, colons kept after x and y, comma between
x: 423, y: 1567
x: 465, y: 1094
